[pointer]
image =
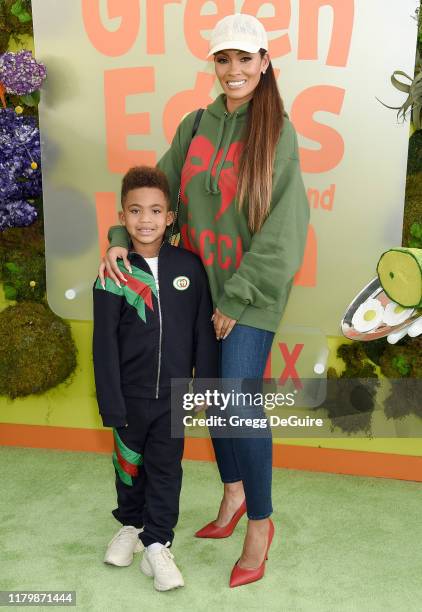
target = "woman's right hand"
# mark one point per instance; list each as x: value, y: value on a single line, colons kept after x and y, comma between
x: 109, y: 263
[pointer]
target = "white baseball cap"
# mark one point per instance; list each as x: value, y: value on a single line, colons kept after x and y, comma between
x: 240, y: 31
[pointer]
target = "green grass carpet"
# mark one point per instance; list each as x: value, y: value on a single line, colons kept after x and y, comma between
x: 341, y: 542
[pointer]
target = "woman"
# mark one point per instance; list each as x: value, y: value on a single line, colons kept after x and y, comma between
x: 244, y: 210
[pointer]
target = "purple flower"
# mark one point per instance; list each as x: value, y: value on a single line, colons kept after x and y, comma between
x: 20, y: 73
x: 19, y: 147
x: 16, y: 214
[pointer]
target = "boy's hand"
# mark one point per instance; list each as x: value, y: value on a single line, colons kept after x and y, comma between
x: 109, y: 263
x: 222, y: 324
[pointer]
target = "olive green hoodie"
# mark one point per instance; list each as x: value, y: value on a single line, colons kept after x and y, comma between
x: 250, y: 276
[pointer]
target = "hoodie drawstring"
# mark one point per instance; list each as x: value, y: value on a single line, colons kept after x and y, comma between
x: 223, y: 157
x: 217, y: 146
x: 214, y: 187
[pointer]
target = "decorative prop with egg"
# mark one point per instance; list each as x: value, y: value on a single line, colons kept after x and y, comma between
x: 391, y: 304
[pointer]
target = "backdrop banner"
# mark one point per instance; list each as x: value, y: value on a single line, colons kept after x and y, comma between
x: 123, y: 73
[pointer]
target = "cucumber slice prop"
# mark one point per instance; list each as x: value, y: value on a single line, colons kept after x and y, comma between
x: 400, y: 274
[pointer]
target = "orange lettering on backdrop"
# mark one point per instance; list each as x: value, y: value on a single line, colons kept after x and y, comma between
x: 324, y: 199
x: 155, y: 25
x: 194, y: 22
x: 105, y: 205
x: 117, y: 85
x: 279, y: 21
x: 306, y: 276
x: 313, y: 197
x: 106, y: 42
x: 327, y: 197
x: 319, y: 98
x: 289, y: 370
x: 341, y: 36
x: 183, y: 102
x: 290, y: 360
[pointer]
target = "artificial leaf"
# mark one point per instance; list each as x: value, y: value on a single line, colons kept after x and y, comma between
x: 16, y: 8
x: 12, y: 267
x: 31, y: 99
x: 24, y: 17
x: 9, y: 291
x: 416, y: 230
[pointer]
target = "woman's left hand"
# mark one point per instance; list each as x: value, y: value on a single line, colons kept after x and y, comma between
x: 222, y: 324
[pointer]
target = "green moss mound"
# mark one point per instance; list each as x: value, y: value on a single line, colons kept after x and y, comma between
x: 374, y: 349
x: 404, y: 399
x: 404, y: 359
x: 350, y: 395
x: 412, y: 221
x: 15, y: 20
x: 22, y: 261
x: 402, y: 364
x: 355, y: 357
x: 24, y: 277
x: 28, y: 240
x: 37, y: 350
x: 414, y: 160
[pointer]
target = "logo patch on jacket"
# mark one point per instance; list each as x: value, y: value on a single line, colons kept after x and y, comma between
x: 181, y: 283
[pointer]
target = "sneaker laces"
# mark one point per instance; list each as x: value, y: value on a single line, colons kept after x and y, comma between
x: 164, y: 557
x: 124, y: 534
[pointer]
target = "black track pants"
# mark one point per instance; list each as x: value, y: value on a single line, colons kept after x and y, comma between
x: 148, y: 470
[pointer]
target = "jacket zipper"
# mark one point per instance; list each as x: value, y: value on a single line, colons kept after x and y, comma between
x: 161, y: 328
x: 159, y: 346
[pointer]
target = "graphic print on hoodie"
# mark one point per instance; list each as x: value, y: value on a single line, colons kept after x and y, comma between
x: 221, y: 177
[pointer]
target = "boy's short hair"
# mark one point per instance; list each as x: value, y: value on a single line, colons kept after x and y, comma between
x: 145, y: 176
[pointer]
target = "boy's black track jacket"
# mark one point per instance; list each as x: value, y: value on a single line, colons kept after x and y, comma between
x: 143, y: 337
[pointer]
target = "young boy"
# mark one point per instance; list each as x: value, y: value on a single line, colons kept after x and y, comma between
x: 153, y: 327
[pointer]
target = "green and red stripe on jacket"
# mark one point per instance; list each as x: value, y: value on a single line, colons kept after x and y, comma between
x: 137, y: 290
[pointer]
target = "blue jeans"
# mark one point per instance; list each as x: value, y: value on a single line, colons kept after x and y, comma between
x: 243, y: 354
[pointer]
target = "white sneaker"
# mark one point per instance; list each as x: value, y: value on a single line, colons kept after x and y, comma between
x: 121, y: 548
x: 160, y: 565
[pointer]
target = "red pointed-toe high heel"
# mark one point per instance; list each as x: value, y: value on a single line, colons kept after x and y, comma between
x: 241, y: 575
x: 213, y: 531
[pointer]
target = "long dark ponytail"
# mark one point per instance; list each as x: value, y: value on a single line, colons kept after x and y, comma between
x: 263, y: 128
